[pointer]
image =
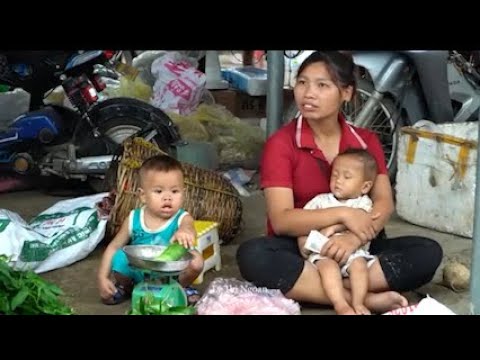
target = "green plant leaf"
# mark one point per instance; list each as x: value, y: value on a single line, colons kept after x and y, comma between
x: 180, y: 310
x: 19, y: 298
x: 4, y: 304
x: 53, y: 289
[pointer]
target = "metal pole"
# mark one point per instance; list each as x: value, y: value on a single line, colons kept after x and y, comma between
x: 275, y: 75
x: 475, y: 268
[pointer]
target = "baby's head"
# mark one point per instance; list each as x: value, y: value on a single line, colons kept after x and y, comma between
x: 161, y: 185
x: 353, y: 174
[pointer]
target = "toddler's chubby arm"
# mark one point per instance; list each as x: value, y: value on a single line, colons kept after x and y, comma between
x: 107, y: 288
x: 305, y: 242
x: 186, y: 233
x: 319, y: 202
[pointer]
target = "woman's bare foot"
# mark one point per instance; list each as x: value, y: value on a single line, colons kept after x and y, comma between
x: 343, y: 309
x: 385, y: 301
x: 361, y: 310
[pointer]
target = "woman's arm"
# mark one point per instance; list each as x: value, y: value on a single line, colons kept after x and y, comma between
x: 286, y: 220
x: 381, y: 193
x: 383, y: 205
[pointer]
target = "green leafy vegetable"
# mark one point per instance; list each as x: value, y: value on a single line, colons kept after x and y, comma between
x: 26, y: 293
x: 149, y: 305
x: 173, y: 252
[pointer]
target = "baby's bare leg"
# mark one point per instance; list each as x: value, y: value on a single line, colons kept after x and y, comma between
x: 332, y: 283
x: 358, y: 272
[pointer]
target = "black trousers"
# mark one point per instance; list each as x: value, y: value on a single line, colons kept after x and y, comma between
x: 408, y: 262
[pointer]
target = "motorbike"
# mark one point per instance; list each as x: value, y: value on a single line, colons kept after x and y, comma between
x: 79, y: 143
x: 399, y: 88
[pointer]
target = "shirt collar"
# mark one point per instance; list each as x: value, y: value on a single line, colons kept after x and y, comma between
x: 304, y: 134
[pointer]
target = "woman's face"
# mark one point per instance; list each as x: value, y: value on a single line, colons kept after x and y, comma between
x: 316, y: 95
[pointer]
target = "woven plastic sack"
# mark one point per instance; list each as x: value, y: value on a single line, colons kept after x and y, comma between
x: 63, y: 234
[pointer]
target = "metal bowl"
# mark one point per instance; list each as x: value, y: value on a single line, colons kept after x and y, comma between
x: 143, y: 256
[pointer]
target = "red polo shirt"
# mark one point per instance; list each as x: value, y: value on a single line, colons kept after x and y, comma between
x: 291, y: 159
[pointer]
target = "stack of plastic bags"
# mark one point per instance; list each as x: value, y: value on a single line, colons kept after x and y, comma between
x: 235, y: 297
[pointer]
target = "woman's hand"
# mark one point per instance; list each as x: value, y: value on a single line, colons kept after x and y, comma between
x: 340, y: 247
x: 333, y: 229
x: 360, y: 223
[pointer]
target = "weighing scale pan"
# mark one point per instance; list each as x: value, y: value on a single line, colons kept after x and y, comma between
x: 143, y: 256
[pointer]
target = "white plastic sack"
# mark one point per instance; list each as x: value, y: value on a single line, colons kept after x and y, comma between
x: 143, y: 63
x: 179, y: 85
x: 59, y: 236
x: 13, y: 104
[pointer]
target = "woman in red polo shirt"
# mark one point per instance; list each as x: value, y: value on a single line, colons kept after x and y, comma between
x: 296, y: 166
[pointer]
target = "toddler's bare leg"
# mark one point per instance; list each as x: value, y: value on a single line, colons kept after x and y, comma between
x: 332, y: 283
x: 188, y: 276
x: 358, y: 272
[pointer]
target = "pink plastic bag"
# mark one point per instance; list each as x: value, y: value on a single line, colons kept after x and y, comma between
x: 235, y: 297
x: 179, y: 85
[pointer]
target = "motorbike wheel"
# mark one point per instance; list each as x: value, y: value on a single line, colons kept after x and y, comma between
x: 118, y: 125
x: 385, y: 123
x: 118, y: 130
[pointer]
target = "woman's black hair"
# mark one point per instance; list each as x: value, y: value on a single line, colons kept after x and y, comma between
x: 339, y: 64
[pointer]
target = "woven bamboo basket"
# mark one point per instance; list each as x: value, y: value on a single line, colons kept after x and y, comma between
x: 208, y: 195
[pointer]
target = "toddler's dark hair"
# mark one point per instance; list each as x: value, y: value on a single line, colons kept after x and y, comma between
x: 162, y: 163
x: 369, y: 162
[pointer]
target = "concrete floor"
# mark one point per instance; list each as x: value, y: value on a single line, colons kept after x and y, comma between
x: 78, y: 281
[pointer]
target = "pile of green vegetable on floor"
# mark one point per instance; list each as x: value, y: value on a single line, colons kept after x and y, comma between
x: 26, y: 293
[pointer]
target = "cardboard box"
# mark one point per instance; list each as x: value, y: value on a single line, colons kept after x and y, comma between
x: 242, y: 105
